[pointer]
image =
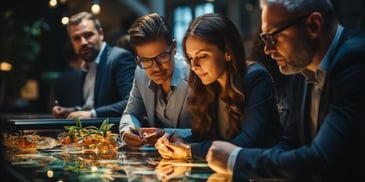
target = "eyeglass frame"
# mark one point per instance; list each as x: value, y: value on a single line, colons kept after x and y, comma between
x: 154, y: 59
x: 266, y: 37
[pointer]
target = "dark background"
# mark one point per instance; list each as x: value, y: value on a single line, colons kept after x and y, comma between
x: 32, y: 37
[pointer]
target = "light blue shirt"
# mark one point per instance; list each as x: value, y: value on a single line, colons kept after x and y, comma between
x: 147, y: 104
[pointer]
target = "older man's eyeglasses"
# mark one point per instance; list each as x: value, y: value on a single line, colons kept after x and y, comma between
x: 160, y: 59
x: 270, y: 38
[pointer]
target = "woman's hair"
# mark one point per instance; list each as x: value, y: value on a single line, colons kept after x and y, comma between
x: 149, y: 28
x: 220, y: 31
x: 258, y: 55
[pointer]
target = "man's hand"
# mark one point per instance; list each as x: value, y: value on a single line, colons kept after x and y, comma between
x: 80, y: 114
x: 61, y: 112
x: 133, y: 138
x: 218, y: 154
x: 152, y: 135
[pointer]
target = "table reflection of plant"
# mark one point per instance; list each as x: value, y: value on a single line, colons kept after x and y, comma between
x: 86, y: 161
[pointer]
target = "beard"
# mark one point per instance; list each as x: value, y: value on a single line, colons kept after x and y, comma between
x: 300, y: 58
x: 88, y: 53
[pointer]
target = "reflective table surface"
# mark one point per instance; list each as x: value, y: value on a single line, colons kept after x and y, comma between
x: 61, y: 163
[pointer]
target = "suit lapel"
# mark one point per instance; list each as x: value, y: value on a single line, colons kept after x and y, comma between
x: 181, y: 94
x: 150, y: 103
x: 100, y: 74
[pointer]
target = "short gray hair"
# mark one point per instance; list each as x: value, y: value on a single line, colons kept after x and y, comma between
x: 307, y: 6
x: 321, y: 6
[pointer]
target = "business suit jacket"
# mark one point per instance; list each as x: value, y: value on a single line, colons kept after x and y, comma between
x: 142, y: 101
x: 337, y: 152
x: 261, y: 126
x: 114, y: 78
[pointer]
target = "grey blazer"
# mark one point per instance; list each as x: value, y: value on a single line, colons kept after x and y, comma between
x: 140, y: 109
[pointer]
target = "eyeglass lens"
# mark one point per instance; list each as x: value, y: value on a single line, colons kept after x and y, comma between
x: 160, y: 59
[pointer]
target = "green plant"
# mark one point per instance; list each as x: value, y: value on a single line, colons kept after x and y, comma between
x: 78, y: 131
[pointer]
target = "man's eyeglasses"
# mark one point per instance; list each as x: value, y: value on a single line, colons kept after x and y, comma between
x: 162, y: 58
x: 271, y: 37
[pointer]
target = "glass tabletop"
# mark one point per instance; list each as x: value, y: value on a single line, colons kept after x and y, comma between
x: 143, y: 164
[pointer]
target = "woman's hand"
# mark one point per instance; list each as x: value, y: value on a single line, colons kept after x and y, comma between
x: 172, y: 147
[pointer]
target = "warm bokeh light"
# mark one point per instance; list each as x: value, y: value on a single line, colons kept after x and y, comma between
x: 50, y: 173
x: 5, y: 66
x: 95, y: 9
x: 94, y: 168
x: 52, y: 3
x: 65, y: 20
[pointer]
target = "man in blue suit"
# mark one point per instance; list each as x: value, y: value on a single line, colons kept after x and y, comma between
x: 108, y: 71
x: 325, y: 140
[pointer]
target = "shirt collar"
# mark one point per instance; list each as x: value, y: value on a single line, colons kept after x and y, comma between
x: 331, y: 50
x: 154, y: 87
x: 314, y: 77
x: 97, y: 59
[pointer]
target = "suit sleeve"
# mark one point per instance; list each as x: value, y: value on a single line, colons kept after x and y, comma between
x: 336, y: 153
x: 261, y: 126
x: 135, y: 109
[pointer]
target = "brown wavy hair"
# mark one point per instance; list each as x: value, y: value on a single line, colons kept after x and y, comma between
x: 216, y: 29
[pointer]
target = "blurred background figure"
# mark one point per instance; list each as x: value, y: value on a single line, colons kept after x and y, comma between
x: 124, y: 42
x: 107, y: 71
x: 69, y: 81
x: 280, y: 81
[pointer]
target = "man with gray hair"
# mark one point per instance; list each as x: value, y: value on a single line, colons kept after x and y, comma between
x: 324, y: 141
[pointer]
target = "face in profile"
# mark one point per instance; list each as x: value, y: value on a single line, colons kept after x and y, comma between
x: 153, y: 52
x: 291, y: 48
x: 206, y: 60
x: 86, y: 39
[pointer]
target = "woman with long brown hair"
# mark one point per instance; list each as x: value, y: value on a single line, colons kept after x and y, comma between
x: 231, y: 100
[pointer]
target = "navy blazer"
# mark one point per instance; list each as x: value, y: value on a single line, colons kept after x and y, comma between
x: 261, y: 126
x: 113, y: 82
x: 337, y: 151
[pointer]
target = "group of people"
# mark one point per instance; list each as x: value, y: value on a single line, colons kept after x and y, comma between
x: 212, y: 103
